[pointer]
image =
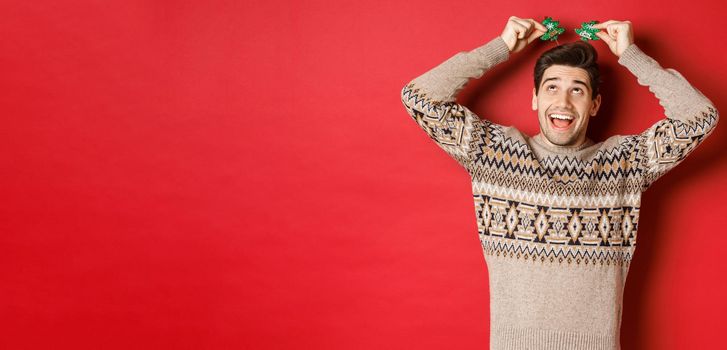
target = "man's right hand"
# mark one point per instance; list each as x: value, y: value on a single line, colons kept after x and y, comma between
x: 519, y: 32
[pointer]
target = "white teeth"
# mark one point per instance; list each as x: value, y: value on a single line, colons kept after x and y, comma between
x: 561, y: 116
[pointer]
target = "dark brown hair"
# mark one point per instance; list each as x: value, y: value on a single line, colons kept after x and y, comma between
x: 578, y: 54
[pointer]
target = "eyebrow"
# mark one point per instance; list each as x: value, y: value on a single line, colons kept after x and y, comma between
x: 575, y: 81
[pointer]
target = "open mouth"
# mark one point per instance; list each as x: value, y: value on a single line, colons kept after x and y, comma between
x: 561, y: 121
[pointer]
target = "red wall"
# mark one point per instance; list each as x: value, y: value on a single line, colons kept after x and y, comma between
x: 222, y: 175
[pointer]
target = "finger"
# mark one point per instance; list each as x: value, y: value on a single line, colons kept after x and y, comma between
x: 534, y: 35
x: 527, y: 26
x: 521, y: 21
x: 623, y: 31
x: 519, y: 29
x: 613, y: 30
x: 539, y: 26
x: 534, y: 24
x: 603, y: 25
x: 605, y: 37
x: 623, y: 27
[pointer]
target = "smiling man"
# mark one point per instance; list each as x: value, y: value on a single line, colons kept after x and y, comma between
x: 566, y: 101
x: 557, y: 213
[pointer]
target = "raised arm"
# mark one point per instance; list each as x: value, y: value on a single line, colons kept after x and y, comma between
x: 690, y: 116
x: 430, y: 97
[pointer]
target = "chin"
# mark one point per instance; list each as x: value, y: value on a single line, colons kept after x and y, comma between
x: 560, y: 140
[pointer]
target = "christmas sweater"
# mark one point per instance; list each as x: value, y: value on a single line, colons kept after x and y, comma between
x: 558, y: 225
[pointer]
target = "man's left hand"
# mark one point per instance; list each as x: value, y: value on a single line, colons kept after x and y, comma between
x: 618, y: 35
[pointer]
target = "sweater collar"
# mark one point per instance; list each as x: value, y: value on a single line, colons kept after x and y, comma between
x: 541, y: 141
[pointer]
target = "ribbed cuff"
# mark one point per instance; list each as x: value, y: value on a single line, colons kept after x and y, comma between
x: 495, y: 51
x: 507, y: 338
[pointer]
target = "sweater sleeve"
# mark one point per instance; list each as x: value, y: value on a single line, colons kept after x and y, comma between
x: 430, y: 100
x: 689, y: 117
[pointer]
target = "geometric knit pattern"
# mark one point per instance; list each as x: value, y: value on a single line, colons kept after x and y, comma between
x: 502, y: 162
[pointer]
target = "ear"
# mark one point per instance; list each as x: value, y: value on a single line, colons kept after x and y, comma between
x: 535, y: 101
x: 596, y: 106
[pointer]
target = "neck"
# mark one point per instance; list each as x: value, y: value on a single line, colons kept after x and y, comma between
x: 543, y: 141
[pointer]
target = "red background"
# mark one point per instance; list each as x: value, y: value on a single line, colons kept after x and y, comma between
x: 225, y: 175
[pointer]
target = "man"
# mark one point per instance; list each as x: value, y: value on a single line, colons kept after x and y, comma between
x: 557, y: 213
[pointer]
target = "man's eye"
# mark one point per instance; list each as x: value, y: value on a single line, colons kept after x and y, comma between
x: 550, y: 86
x: 579, y: 90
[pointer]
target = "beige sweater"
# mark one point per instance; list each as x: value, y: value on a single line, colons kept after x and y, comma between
x: 557, y: 224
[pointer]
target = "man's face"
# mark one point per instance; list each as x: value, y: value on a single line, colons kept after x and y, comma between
x: 565, y: 91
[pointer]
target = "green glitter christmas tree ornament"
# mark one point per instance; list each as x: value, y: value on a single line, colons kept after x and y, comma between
x: 587, y: 32
x: 553, y: 30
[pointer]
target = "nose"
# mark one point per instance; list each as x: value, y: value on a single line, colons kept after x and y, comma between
x: 563, y: 100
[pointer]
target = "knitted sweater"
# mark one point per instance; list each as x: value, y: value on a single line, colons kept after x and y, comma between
x: 557, y: 224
